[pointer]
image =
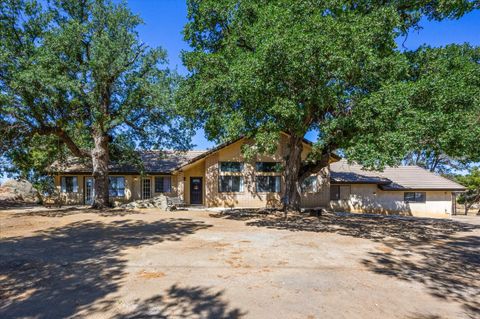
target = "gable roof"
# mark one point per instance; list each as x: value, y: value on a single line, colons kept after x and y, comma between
x: 391, y: 178
x: 225, y: 144
x: 154, y: 162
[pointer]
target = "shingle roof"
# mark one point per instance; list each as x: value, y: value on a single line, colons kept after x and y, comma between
x: 154, y: 162
x: 392, y: 178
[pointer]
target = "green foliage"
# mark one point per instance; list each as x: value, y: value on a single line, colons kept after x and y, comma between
x: 435, y: 162
x: 472, y: 182
x: 261, y: 67
x: 434, y: 109
x: 30, y: 160
x: 72, y: 69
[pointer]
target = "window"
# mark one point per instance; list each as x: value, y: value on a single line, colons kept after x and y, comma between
x: 116, y: 186
x: 230, y: 184
x: 268, y: 184
x: 340, y: 192
x: 268, y: 167
x: 69, y: 184
x: 163, y: 184
x: 309, y: 185
x: 334, y: 192
x: 231, y: 167
x: 415, y: 197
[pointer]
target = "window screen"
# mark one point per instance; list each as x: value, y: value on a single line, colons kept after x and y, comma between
x: 230, y: 184
x: 340, y: 192
x: 163, y: 184
x: 415, y: 197
x: 270, y: 184
x: 69, y: 184
x: 268, y: 167
x: 116, y: 186
x: 232, y: 167
x: 334, y: 192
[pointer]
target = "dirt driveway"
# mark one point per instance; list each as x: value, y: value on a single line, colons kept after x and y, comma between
x: 196, y: 264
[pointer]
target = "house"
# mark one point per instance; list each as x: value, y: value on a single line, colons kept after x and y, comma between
x: 221, y: 177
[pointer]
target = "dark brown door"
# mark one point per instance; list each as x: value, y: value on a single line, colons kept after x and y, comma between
x: 196, y: 191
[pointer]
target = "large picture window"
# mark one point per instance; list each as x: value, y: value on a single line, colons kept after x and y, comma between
x: 415, y: 197
x: 268, y: 167
x: 229, y: 183
x: 163, y: 184
x: 116, y: 186
x: 231, y: 167
x: 269, y: 184
x: 69, y: 184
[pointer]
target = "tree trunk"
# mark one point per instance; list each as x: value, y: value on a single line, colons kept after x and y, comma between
x: 100, y: 169
x: 293, y: 163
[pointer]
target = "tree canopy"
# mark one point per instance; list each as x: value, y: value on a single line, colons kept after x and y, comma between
x: 332, y: 67
x: 76, y: 74
x: 472, y: 182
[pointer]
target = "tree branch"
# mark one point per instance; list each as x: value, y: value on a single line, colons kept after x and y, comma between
x: 65, y: 138
x: 314, y: 167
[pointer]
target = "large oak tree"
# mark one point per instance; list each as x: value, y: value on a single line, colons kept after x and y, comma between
x: 75, y: 73
x: 332, y: 67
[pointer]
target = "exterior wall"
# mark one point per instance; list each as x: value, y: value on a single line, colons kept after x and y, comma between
x: 250, y: 197
x: 133, y: 189
x: 365, y: 198
x: 71, y: 198
x: 196, y: 170
x: 358, y: 198
x: 321, y: 198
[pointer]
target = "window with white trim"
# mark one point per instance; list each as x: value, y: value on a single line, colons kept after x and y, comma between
x: 116, y: 186
x: 69, y: 184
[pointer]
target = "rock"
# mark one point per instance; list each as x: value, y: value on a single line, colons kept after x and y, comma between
x: 18, y: 191
x: 159, y: 201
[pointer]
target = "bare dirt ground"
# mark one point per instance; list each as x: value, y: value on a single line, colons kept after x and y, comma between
x: 69, y: 262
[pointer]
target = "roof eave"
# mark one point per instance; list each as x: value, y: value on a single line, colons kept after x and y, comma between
x: 394, y: 189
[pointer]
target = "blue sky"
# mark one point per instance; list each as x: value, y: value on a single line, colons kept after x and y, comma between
x: 164, y: 21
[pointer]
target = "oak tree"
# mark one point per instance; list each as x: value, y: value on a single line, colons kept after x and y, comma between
x: 77, y: 71
x: 332, y: 67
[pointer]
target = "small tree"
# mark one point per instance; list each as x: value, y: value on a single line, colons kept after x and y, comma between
x: 262, y: 67
x: 77, y: 71
x: 472, y: 195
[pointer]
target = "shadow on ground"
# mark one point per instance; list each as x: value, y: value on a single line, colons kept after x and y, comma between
x: 60, y: 271
x: 438, y: 253
x: 11, y: 205
x: 185, y: 302
x: 73, y: 210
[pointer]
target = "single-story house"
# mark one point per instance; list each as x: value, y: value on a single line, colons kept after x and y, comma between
x: 221, y: 177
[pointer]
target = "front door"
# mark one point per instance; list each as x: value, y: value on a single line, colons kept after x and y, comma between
x: 146, y: 189
x: 196, y: 191
x: 89, y: 190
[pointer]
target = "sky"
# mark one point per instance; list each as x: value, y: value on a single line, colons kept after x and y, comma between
x: 164, y: 21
